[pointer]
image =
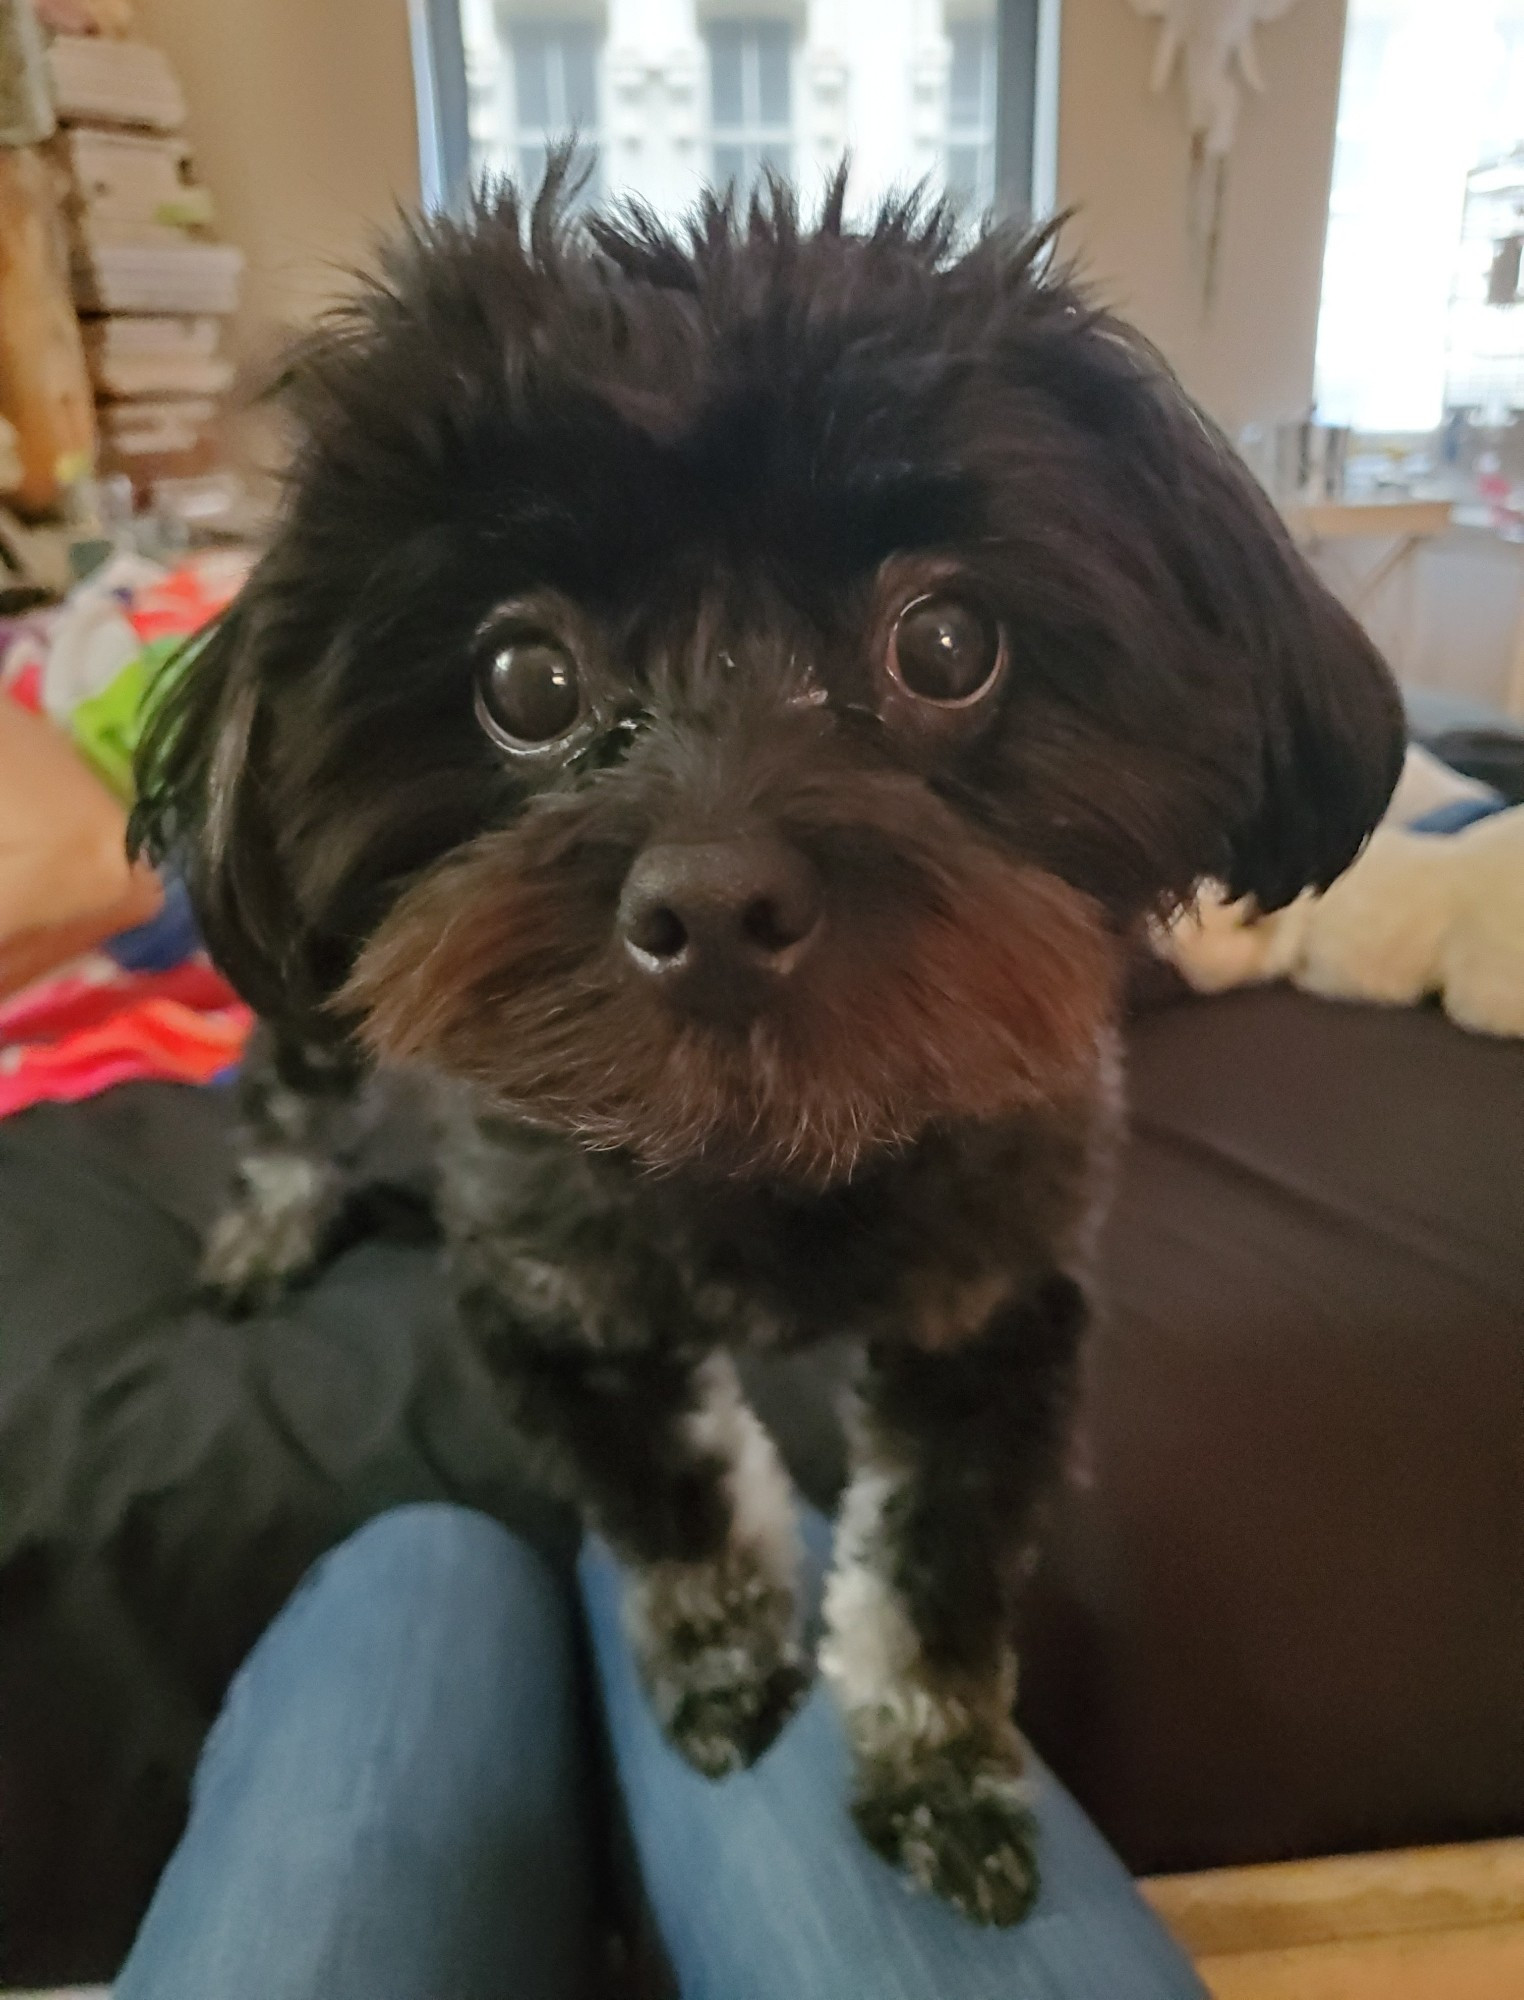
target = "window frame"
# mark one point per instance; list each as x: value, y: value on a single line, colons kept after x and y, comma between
x: 979, y: 135
x: 1026, y: 104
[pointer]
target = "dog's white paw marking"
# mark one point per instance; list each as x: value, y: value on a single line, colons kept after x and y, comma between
x: 272, y: 1233
x: 940, y: 1792
x: 717, y: 1640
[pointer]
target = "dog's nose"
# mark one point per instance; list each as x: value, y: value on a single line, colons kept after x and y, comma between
x: 719, y: 922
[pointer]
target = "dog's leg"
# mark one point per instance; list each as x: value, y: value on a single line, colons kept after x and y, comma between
x: 670, y: 1465
x: 952, y: 1451
x: 296, y: 1109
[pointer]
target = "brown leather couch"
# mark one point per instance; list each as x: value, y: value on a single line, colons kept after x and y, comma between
x: 1284, y: 1610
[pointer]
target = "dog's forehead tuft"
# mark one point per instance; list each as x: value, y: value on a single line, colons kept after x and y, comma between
x: 534, y: 366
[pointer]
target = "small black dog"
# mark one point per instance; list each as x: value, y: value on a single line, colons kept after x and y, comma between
x: 716, y: 704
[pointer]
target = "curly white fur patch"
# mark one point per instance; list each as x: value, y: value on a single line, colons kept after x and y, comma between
x: 896, y: 1708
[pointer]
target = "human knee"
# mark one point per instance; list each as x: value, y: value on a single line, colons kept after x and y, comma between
x: 434, y: 1539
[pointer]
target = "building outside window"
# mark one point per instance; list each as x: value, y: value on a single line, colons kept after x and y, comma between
x: 1412, y: 321
x: 531, y: 81
x: 969, y: 169
x: 555, y: 94
x: 750, y: 101
x: 669, y: 96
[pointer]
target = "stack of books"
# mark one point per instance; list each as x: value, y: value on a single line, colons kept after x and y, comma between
x: 151, y: 282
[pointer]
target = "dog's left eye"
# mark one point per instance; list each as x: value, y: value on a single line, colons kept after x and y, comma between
x: 528, y: 693
x: 946, y: 648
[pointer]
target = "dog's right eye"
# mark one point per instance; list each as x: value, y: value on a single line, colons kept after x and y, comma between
x: 946, y: 649
x: 528, y: 693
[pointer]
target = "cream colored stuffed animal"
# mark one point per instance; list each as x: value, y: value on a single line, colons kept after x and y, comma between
x: 1417, y: 914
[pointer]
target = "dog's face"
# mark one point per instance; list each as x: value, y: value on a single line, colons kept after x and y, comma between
x: 726, y: 697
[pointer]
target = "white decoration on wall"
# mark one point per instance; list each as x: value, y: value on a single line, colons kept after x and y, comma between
x: 1212, y: 38
x: 1213, y: 43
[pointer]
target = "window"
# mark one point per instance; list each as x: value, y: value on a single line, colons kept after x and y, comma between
x: 555, y: 90
x: 669, y: 95
x: 750, y: 99
x: 1431, y: 107
x: 970, y: 155
x: 530, y: 82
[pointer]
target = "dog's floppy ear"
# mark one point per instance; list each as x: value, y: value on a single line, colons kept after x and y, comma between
x: 1298, y: 700
x: 204, y: 807
x: 1271, y: 689
x: 1329, y: 729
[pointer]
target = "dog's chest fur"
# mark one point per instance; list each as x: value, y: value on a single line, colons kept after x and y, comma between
x: 591, y: 1250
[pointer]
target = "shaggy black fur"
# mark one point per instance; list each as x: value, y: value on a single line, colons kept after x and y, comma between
x: 769, y: 990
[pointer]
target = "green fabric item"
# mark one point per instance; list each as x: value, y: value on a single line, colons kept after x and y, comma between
x: 107, y: 725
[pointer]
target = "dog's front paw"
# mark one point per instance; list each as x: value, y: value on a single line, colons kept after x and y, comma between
x: 719, y: 1657
x: 959, y: 1824
x: 271, y: 1237
x: 722, y: 1711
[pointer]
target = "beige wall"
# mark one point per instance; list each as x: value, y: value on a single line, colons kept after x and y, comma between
x: 1124, y: 161
x: 301, y: 113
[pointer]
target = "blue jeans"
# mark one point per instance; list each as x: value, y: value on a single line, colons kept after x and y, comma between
x: 397, y: 1803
